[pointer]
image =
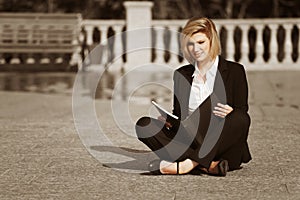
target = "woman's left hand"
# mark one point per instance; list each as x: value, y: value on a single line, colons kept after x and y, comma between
x: 222, y: 110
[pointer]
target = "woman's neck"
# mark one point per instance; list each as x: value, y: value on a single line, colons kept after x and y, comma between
x: 204, y: 66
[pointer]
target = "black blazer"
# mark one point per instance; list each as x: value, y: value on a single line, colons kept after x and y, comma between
x: 230, y: 73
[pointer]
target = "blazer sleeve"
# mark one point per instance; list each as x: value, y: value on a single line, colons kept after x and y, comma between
x: 240, y: 91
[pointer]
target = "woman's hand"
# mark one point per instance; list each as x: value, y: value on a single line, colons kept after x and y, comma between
x: 167, y: 124
x: 222, y: 110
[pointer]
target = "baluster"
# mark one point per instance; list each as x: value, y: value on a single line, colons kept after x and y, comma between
x: 230, y: 42
x: 218, y: 27
x: 259, y: 47
x: 89, y: 35
x: 103, y: 42
x: 118, y: 46
x: 273, y: 44
x: 174, y: 48
x: 288, y: 43
x: 159, y: 47
x: 245, y: 44
x: 103, y: 30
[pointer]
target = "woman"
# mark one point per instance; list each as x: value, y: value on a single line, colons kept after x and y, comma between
x: 211, y: 96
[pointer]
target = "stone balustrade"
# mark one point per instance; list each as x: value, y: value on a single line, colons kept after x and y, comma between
x: 102, y: 26
x: 103, y: 33
x: 259, y: 44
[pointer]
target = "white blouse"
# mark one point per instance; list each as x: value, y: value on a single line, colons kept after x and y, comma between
x: 199, y: 90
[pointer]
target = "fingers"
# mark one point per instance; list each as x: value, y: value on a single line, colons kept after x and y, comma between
x: 222, y: 110
x: 167, y: 124
x: 219, y: 114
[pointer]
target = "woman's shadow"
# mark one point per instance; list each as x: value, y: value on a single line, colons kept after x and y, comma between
x: 139, y: 159
x: 139, y: 162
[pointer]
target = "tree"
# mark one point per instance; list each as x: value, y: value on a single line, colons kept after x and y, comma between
x: 286, y: 8
x: 177, y: 9
x: 163, y: 9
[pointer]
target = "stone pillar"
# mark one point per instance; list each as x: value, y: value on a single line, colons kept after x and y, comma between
x: 138, y: 23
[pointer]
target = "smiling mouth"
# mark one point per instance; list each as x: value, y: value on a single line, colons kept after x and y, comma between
x: 197, y: 54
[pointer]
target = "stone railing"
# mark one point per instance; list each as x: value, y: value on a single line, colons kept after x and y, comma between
x: 259, y: 44
x: 98, y: 32
x: 103, y: 26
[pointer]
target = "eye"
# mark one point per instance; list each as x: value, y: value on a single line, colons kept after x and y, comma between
x: 200, y: 42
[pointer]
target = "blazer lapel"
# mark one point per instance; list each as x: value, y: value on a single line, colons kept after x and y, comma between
x: 188, y: 73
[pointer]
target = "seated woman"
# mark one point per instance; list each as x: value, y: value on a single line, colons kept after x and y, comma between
x: 211, y: 96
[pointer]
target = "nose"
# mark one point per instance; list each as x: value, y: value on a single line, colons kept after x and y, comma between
x: 196, y: 47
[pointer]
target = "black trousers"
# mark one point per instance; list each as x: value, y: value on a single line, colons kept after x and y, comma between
x: 177, y: 144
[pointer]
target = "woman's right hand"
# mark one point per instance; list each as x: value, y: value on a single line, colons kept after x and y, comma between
x: 167, y: 124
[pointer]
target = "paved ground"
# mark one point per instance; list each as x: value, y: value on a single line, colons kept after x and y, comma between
x: 42, y: 156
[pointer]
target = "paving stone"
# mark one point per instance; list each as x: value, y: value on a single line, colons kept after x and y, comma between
x: 42, y: 156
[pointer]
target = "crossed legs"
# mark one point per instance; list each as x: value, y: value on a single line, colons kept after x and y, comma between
x: 159, y: 138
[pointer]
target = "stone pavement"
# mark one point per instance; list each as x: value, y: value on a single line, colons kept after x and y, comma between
x: 42, y: 156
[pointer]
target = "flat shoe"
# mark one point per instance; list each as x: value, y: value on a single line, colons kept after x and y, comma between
x: 223, y: 167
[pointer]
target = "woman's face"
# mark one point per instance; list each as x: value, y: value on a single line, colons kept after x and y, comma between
x: 199, y: 47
